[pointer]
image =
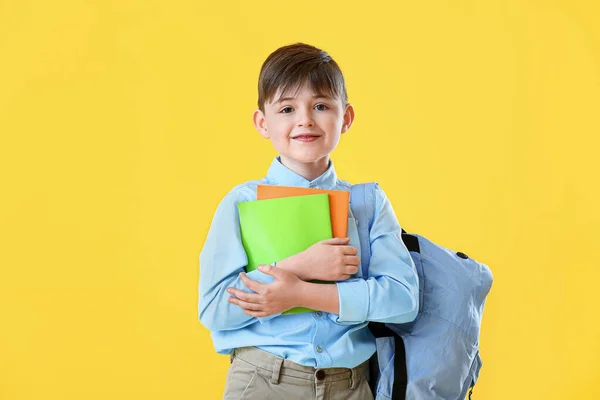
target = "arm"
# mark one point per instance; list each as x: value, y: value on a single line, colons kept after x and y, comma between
x: 389, y: 294
x: 322, y: 297
x: 284, y: 292
x: 221, y: 260
x: 391, y: 291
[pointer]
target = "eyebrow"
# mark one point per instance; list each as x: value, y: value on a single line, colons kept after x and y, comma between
x: 292, y: 98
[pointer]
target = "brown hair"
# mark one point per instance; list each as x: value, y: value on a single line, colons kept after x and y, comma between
x: 292, y: 65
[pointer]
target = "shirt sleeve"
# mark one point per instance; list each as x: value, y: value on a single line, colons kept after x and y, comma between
x: 221, y: 260
x: 390, y: 293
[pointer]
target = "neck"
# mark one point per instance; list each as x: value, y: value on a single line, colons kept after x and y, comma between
x: 309, y: 171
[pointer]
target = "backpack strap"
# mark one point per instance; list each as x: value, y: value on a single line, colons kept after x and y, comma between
x: 400, y: 373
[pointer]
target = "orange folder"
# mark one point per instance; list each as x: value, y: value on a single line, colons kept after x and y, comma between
x: 338, y: 203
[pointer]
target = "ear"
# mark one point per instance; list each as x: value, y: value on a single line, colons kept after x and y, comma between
x: 259, y: 123
x: 348, y: 117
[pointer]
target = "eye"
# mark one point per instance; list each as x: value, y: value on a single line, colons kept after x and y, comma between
x: 321, y: 105
x: 285, y: 108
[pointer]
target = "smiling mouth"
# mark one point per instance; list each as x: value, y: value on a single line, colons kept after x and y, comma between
x: 306, y: 138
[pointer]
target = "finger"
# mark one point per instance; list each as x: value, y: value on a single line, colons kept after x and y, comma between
x: 245, y: 304
x: 350, y: 250
x: 243, y: 295
x: 336, y: 241
x: 351, y: 260
x: 275, y: 272
x: 256, y: 314
x: 251, y: 284
x: 351, y: 269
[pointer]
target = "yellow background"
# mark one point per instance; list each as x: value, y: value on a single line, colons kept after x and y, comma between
x: 123, y: 124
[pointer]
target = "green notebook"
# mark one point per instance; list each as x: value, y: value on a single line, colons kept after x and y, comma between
x: 275, y: 229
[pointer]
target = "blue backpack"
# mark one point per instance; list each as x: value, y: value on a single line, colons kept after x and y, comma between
x: 436, y: 356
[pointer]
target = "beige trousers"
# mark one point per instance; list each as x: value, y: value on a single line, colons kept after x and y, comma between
x: 258, y: 375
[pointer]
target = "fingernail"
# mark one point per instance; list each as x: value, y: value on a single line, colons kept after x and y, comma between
x: 261, y: 268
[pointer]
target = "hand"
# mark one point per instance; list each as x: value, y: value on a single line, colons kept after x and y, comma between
x: 278, y: 296
x: 327, y: 260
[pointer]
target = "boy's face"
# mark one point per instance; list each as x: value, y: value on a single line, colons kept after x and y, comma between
x: 304, y: 129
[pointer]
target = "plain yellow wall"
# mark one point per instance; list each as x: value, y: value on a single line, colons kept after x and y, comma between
x: 124, y: 123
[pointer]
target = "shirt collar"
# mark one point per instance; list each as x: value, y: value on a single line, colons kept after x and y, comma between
x: 279, y: 174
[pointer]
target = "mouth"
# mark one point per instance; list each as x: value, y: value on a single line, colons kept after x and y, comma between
x: 306, y: 137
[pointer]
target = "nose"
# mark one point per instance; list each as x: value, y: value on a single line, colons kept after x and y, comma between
x: 305, y: 118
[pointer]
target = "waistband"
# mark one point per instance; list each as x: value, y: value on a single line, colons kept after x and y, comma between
x: 279, y: 368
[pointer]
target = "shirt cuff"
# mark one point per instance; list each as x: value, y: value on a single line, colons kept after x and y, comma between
x: 354, y: 301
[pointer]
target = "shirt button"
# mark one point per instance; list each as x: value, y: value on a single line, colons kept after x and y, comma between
x: 319, y: 313
x: 319, y: 349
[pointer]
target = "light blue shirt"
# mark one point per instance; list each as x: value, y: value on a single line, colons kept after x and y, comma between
x: 390, y: 293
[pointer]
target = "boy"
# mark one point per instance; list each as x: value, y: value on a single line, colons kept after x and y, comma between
x: 303, y: 110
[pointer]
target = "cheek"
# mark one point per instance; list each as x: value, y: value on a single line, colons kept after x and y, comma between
x: 280, y: 142
x: 278, y: 129
x: 333, y: 124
